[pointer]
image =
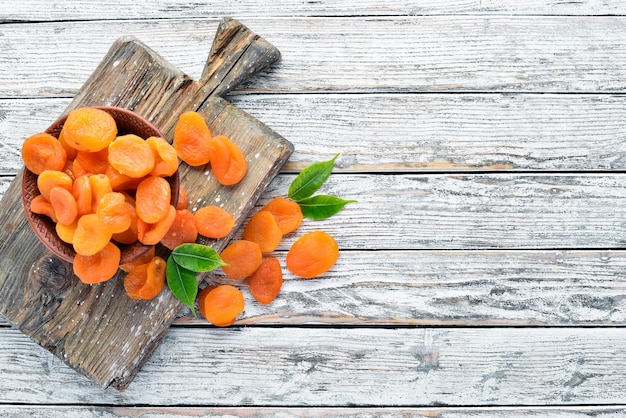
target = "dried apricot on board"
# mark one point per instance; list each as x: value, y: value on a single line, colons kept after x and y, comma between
x: 152, y: 199
x: 287, y: 213
x: 312, y: 254
x: 131, y: 155
x: 221, y: 305
x: 266, y: 282
x: 165, y: 157
x: 182, y: 231
x: 147, y: 280
x: 152, y: 233
x: 89, y: 129
x: 228, y: 162
x: 42, y: 151
x: 98, y: 267
x: 213, y: 221
x: 263, y: 229
x: 192, y: 139
x: 243, y: 258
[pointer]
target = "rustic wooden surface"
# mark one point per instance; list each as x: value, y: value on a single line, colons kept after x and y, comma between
x: 482, y: 271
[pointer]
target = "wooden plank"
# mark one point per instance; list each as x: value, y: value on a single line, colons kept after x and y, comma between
x: 39, y: 293
x: 41, y: 10
x: 609, y: 411
x: 412, y: 54
x: 408, y: 132
x: 406, y: 367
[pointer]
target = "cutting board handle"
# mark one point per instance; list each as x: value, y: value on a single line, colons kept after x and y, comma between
x: 237, y: 53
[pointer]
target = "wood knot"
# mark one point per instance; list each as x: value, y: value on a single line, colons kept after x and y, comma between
x: 52, y: 274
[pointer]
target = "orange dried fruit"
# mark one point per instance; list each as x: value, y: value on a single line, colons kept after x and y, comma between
x: 131, y: 155
x: 286, y: 212
x: 147, y: 280
x: 48, y: 179
x: 100, y: 185
x: 152, y: 233
x: 89, y: 129
x: 41, y: 206
x: 221, y: 305
x: 192, y: 139
x: 165, y: 157
x: 64, y: 205
x: 114, y: 213
x: 312, y: 254
x: 42, y: 151
x: 90, y: 236
x: 93, y: 162
x: 66, y: 232
x: 98, y: 267
x: 142, y: 259
x: 130, y: 235
x: 263, y: 229
x: 266, y: 282
x: 182, y: 231
x: 243, y: 258
x: 183, y: 200
x: 228, y: 162
x: 152, y: 199
x: 214, y: 222
x: 81, y: 190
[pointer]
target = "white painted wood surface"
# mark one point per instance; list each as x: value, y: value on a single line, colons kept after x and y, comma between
x: 483, y: 268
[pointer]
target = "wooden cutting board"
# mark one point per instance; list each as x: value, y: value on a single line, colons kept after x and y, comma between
x: 97, y: 329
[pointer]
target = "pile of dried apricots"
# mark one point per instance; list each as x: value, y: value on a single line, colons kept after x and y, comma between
x: 103, y: 189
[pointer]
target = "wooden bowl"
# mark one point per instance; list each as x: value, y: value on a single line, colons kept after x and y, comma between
x: 128, y: 122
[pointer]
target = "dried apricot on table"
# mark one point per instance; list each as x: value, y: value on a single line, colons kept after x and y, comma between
x: 42, y: 151
x: 152, y: 199
x: 89, y: 129
x: 243, y: 258
x: 98, y: 267
x: 152, y: 233
x: 131, y: 155
x: 147, y: 280
x: 228, y: 162
x: 221, y: 305
x: 192, y: 139
x: 312, y: 254
x: 266, y: 282
x: 213, y: 221
x: 182, y: 231
x: 287, y: 213
x: 263, y: 229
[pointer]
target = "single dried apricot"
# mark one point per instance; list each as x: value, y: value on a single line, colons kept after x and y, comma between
x: 192, y: 139
x: 182, y: 231
x: 131, y: 155
x: 98, y: 267
x: 131, y: 235
x: 165, y: 157
x: 287, y: 213
x: 90, y: 236
x: 152, y: 199
x: 114, y: 212
x: 221, y: 305
x: 152, y: 233
x: 312, y: 254
x: 41, y: 206
x: 81, y: 190
x: 214, y: 222
x: 66, y: 232
x: 42, y: 151
x: 64, y: 205
x: 142, y: 259
x: 48, y: 179
x: 100, y: 185
x: 243, y: 258
x: 147, y: 280
x: 263, y: 229
x: 228, y: 162
x: 93, y: 162
x: 266, y: 281
x: 183, y: 199
x: 89, y: 129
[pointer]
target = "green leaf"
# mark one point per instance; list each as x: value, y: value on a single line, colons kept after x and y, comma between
x: 197, y: 257
x: 310, y: 179
x: 322, y: 206
x: 182, y: 283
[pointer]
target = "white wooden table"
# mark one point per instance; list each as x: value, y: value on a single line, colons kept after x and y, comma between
x: 483, y: 269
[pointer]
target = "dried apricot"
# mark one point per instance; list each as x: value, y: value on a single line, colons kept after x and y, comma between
x: 263, y: 229
x: 142, y: 259
x: 214, y: 222
x: 66, y: 232
x: 287, y: 213
x: 90, y: 236
x: 192, y: 139
x: 64, y: 205
x: 147, y: 280
x: 93, y: 162
x: 182, y: 231
x: 312, y: 254
x: 131, y: 155
x: 183, y: 200
x: 42, y: 151
x: 266, y: 281
x: 98, y: 267
x: 152, y: 200
x: 41, y: 206
x: 81, y: 190
x: 131, y: 235
x: 48, y: 179
x: 114, y: 212
x: 228, y: 163
x: 121, y: 182
x: 243, y: 258
x: 221, y: 305
x: 89, y: 129
x: 165, y: 157
x: 152, y: 233
x: 100, y: 185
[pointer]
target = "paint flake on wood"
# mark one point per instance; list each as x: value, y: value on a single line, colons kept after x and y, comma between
x: 98, y: 330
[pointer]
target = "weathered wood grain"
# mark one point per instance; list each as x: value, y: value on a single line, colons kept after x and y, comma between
x: 320, y: 412
x: 413, y: 54
x: 396, y: 133
x: 41, y: 10
x: 337, y: 367
x: 39, y: 293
